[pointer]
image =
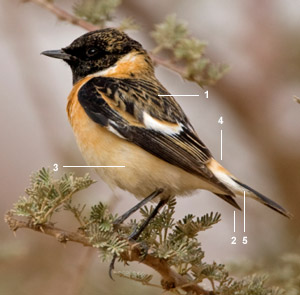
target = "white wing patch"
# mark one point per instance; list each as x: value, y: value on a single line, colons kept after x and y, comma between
x: 154, y: 124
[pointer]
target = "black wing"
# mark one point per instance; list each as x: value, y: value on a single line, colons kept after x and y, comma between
x: 121, y: 104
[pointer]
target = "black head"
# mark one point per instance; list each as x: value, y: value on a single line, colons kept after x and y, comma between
x: 95, y: 51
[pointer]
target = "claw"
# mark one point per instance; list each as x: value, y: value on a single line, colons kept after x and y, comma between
x: 134, y: 235
x: 112, y: 266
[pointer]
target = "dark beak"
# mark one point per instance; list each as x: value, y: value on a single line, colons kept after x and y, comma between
x: 57, y: 54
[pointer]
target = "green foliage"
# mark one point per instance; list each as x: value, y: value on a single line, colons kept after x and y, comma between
x: 128, y: 23
x: 252, y: 285
x: 100, y: 230
x: 169, y: 34
x: 287, y: 273
x: 283, y: 272
x: 174, y: 37
x: 97, y: 12
x: 175, y: 242
x: 190, y: 227
x: 47, y: 195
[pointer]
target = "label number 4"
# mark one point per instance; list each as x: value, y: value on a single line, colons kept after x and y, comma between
x: 220, y: 121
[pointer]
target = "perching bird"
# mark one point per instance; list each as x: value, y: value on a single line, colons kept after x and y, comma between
x: 119, y: 118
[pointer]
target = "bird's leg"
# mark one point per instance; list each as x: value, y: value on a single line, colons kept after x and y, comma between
x: 138, y: 206
x: 134, y: 236
x: 137, y: 233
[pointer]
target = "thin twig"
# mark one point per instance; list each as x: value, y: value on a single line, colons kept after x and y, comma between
x: 296, y: 99
x: 170, y: 278
x: 50, y: 211
x: 64, y: 15
x: 167, y: 64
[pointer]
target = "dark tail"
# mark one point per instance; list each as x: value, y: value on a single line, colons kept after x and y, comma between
x: 264, y: 200
x: 229, y: 199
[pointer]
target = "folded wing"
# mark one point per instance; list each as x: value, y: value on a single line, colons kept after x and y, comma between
x: 132, y: 109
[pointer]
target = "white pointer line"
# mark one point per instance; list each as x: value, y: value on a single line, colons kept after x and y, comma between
x: 94, y: 166
x: 221, y: 144
x: 244, y: 211
x: 234, y: 221
x: 179, y: 95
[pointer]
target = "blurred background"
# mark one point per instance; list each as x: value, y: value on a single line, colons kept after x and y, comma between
x: 259, y: 39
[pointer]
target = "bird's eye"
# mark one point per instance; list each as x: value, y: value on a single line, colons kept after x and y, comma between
x: 91, y: 51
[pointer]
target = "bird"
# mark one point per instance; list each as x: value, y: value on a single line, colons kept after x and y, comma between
x: 122, y: 115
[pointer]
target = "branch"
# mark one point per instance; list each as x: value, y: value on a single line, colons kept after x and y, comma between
x: 64, y: 15
x: 61, y: 235
x: 170, y: 279
x: 167, y: 64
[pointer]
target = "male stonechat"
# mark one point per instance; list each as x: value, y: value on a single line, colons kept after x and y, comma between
x: 120, y: 118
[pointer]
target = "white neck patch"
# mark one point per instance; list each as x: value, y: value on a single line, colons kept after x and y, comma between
x: 128, y: 58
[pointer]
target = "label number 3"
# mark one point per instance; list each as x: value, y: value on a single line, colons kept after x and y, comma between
x: 55, y: 167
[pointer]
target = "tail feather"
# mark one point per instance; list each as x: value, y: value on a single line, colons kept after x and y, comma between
x: 238, y: 187
x: 264, y: 200
x: 229, y: 199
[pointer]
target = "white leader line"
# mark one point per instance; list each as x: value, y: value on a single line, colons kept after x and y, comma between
x: 94, y: 166
x: 234, y: 221
x: 178, y: 95
x: 221, y: 144
x: 244, y: 211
